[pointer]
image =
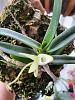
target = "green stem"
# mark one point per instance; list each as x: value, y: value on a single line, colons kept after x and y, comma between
x: 19, y: 74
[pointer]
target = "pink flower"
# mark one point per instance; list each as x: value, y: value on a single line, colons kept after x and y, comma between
x: 72, y: 94
x: 70, y: 85
x: 72, y: 72
x: 71, y: 82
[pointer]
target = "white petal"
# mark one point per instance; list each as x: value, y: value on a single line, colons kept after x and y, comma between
x: 61, y: 85
x: 44, y: 59
x: 33, y: 67
x: 36, y: 72
x: 67, y: 67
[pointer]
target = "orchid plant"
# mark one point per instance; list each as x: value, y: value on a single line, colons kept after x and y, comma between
x: 37, y: 54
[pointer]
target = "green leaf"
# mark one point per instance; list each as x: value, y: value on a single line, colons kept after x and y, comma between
x: 54, y: 22
x: 19, y: 49
x: 62, y: 40
x: 15, y: 50
x: 62, y: 59
x: 57, y: 52
x: 21, y: 59
x: 18, y: 36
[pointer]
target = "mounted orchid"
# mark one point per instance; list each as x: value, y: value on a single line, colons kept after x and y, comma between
x: 37, y: 54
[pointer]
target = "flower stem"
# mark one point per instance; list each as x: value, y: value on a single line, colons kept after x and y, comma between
x: 49, y: 72
x: 19, y: 74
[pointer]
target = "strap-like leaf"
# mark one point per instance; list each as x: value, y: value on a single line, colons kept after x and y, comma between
x: 57, y: 52
x: 21, y: 59
x: 18, y: 36
x: 15, y: 50
x: 62, y: 59
x: 54, y: 22
x: 62, y: 40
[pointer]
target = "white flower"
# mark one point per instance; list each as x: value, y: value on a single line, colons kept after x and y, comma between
x: 41, y: 59
x: 61, y: 85
x: 64, y: 72
x: 67, y: 67
x: 34, y: 68
x: 44, y: 59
